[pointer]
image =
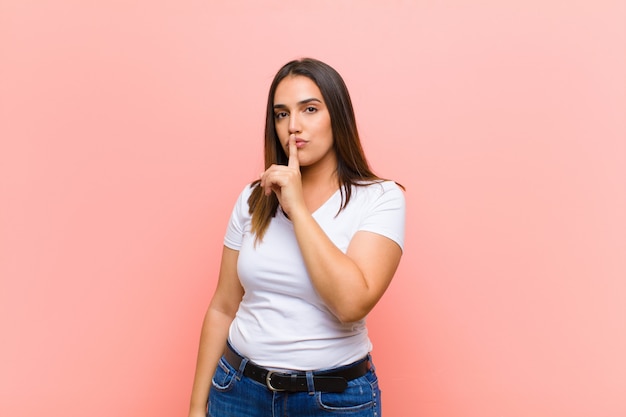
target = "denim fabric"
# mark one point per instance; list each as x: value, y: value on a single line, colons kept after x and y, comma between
x: 234, y: 395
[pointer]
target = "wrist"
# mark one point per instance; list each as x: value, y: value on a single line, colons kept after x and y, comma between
x: 299, y: 214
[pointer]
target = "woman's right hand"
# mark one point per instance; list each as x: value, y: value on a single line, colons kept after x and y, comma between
x: 285, y: 181
x: 197, y: 413
x: 217, y: 320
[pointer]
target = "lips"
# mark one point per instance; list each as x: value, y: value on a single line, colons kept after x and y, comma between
x: 299, y: 143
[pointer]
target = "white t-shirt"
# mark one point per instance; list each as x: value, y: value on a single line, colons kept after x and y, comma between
x: 282, y: 323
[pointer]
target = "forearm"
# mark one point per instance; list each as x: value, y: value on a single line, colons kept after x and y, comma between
x: 336, y: 277
x: 212, y: 343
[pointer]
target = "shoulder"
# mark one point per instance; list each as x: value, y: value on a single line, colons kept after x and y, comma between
x: 247, y: 190
x: 241, y: 204
x: 374, y: 196
x: 381, y: 209
x: 378, y: 189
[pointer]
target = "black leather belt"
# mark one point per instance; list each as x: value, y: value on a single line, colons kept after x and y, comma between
x: 325, y: 381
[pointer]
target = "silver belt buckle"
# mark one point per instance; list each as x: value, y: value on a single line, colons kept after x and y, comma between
x: 268, y: 382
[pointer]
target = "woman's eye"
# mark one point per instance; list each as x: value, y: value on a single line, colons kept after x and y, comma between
x: 280, y: 115
x: 311, y: 109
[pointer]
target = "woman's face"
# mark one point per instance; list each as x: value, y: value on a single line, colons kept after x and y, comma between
x: 300, y: 109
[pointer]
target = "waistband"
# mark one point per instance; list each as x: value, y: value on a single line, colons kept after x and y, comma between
x: 331, y: 380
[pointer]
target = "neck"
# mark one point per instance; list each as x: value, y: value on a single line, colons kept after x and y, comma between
x: 318, y: 180
x: 320, y: 175
x: 318, y: 186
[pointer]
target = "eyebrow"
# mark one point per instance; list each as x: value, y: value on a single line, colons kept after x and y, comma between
x: 307, y: 101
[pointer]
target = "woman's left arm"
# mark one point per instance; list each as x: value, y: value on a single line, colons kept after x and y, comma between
x: 352, y: 283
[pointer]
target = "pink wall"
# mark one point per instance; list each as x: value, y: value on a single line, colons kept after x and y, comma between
x: 127, y: 129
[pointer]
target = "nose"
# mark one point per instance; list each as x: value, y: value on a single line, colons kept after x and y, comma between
x: 294, y: 124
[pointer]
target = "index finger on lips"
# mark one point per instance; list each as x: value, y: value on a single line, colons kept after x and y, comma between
x: 293, y: 153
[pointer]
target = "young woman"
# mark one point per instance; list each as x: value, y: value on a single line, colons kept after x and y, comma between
x: 310, y: 249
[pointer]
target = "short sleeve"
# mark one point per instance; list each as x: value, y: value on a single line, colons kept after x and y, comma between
x: 386, y: 213
x: 239, y: 218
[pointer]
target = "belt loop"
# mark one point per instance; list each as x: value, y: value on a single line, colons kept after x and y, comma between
x: 310, y: 383
x: 242, y: 366
x: 371, y: 368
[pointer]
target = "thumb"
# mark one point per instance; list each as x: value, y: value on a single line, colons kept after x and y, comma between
x: 293, y: 153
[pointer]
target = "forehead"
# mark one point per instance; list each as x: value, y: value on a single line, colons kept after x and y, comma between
x: 295, y: 88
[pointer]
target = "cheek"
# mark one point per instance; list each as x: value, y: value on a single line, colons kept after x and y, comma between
x: 280, y: 133
x: 329, y: 134
x: 328, y: 128
x: 282, y: 130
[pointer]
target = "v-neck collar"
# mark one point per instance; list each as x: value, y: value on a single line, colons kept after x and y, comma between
x: 320, y: 208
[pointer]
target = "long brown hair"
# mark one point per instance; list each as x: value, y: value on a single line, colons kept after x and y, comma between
x: 352, y: 166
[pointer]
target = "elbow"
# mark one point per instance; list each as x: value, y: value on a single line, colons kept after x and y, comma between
x: 351, y: 314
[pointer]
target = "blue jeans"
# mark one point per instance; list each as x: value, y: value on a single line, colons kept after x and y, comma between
x: 232, y: 394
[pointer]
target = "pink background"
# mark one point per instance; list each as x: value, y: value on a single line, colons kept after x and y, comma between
x: 128, y: 128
